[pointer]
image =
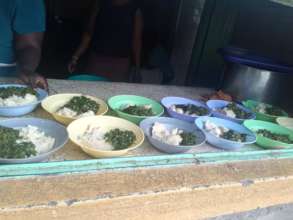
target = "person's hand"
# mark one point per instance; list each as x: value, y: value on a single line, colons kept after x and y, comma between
x: 35, y: 80
x: 72, y: 64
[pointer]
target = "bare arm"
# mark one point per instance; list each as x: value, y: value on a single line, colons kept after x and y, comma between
x: 28, y: 49
x: 137, y: 38
x: 86, y: 37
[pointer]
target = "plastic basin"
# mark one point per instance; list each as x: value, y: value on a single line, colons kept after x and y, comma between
x: 53, y: 103
x: 221, y: 142
x: 219, y: 104
x: 172, y: 123
x: 167, y: 102
x: 117, y: 102
x: 255, y: 125
x: 87, y: 77
x: 24, y: 109
x: 106, y: 123
x: 50, y: 128
x: 261, y: 116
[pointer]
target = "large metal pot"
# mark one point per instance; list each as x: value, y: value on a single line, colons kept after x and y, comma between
x: 252, y: 77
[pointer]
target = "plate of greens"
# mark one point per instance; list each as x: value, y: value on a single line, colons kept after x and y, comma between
x: 135, y: 108
x: 230, y: 111
x: 185, y: 109
x: 172, y: 135
x: 66, y: 108
x: 105, y: 136
x: 225, y: 134
x: 265, y: 112
x: 270, y: 135
x: 17, y: 100
x: 28, y: 140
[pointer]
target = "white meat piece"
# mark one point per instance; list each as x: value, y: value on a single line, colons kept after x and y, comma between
x: 214, y: 129
x: 161, y: 133
x: 229, y: 113
x: 261, y: 108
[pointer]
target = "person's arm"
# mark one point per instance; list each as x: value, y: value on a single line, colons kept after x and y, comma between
x: 82, y: 48
x: 86, y: 38
x: 137, y: 38
x: 28, y: 49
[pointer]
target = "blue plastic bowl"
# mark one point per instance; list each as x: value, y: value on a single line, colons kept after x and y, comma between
x: 218, y: 104
x: 24, y: 109
x: 50, y: 128
x: 221, y: 142
x: 147, y: 124
x: 167, y: 102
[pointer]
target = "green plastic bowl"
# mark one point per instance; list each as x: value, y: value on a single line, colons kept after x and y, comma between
x: 260, y: 116
x: 266, y: 143
x: 87, y: 77
x: 117, y: 102
x: 286, y: 122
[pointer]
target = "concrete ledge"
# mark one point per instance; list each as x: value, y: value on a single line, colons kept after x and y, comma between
x: 183, y: 204
x: 184, y: 192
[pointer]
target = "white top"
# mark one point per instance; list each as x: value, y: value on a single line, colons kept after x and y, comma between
x: 7, y: 65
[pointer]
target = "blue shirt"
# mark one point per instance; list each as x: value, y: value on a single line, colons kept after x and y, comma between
x: 18, y: 17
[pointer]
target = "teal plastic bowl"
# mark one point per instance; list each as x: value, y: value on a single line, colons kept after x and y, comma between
x: 87, y: 77
x: 117, y: 102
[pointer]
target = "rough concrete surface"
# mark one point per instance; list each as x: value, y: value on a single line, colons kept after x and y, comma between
x: 280, y: 212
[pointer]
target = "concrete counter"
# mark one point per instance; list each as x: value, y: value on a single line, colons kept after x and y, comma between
x: 146, y: 184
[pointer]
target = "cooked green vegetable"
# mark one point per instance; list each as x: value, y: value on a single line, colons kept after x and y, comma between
x: 240, y: 113
x: 188, y: 139
x: 234, y: 136
x: 10, y: 149
x: 18, y: 91
x: 82, y: 104
x: 269, y: 110
x: 139, y: 110
x: 274, y: 136
x: 120, y: 140
x: 275, y: 111
x: 193, y: 109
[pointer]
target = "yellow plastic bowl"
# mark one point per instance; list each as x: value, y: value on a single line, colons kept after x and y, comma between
x: 55, y: 102
x: 285, y: 122
x: 106, y: 123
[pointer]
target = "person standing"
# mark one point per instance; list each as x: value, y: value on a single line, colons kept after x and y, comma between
x: 22, y: 25
x: 114, y: 37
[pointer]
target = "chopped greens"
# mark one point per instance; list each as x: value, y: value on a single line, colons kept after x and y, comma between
x: 271, y: 110
x: 11, y: 148
x: 17, y: 91
x: 274, y: 136
x: 193, y: 109
x: 234, y: 136
x: 139, y: 110
x: 82, y: 104
x: 188, y: 139
x: 120, y: 140
x: 240, y: 113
